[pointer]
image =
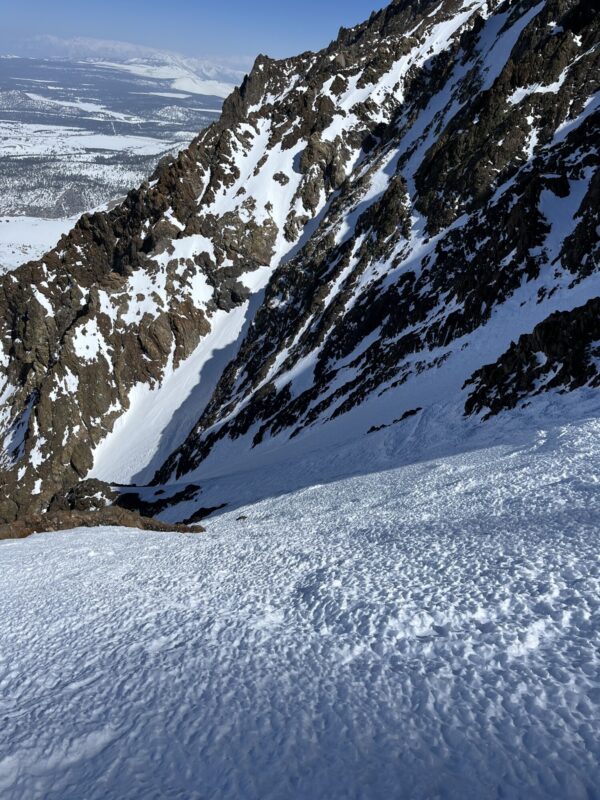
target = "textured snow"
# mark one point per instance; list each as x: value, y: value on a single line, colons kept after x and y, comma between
x: 426, y: 631
x: 26, y: 238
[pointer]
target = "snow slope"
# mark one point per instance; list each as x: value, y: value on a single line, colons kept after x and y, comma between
x: 25, y: 238
x: 429, y: 631
x: 159, y: 418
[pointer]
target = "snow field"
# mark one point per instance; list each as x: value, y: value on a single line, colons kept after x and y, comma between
x: 429, y: 631
x: 160, y: 418
x: 181, y: 78
x: 26, y: 238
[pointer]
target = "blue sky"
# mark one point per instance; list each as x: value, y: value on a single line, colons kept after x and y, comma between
x: 231, y: 28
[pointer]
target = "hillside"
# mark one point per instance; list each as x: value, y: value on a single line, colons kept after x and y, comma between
x: 388, y: 235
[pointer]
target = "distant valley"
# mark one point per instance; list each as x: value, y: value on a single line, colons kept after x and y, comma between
x: 76, y: 135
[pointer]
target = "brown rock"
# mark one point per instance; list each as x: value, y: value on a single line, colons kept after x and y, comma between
x: 66, y: 520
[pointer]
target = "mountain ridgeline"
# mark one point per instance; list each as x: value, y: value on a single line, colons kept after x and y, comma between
x: 405, y: 224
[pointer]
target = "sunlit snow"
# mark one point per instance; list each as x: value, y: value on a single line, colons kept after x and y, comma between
x: 426, y: 631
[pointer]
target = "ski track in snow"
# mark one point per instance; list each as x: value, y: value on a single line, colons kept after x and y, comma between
x: 430, y: 631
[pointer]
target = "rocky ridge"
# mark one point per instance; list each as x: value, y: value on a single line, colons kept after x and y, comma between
x: 69, y: 520
x: 410, y: 200
x: 452, y: 221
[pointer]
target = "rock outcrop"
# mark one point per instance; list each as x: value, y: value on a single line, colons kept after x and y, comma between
x: 68, y: 520
x: 562, y: 353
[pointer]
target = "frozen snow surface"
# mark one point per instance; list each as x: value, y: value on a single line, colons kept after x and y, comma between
x: 427, y: 631
x: 26, y: 238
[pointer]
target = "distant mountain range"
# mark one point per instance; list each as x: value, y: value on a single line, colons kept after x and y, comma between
x: 229, y: 71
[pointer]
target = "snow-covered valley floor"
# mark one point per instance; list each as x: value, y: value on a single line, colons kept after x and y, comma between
x: 430, y: 631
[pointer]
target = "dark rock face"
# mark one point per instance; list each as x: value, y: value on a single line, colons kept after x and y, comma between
x: 89, y: 495
x: 561, y: 353
x: 66, y: 520
x: 423, y: 191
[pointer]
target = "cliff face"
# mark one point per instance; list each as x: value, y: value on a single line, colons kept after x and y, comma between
x: 411, y: 200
